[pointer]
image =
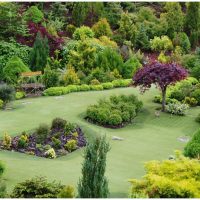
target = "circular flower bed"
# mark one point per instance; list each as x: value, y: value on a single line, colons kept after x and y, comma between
x: 62, y: 138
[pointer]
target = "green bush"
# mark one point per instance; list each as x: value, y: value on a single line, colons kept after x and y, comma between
x: 84, y: 87
x: 82, y: 33
x: 37, y: 187
x: 56, y: 143
x: 177, y: 108
x: 107, y: 85
x: 50, y: 77
x: 23, y: 141
x: 96, y: 87
x: 192, y: 149
x: 70, y: 77
x: 198, y: 118
x: 122, y: 82
x: 190, y: 101
x: 42, y: 132
x: 50, y: 153
x: 67, y: 192
x: 33, y: 14
x: 71, y: 145
x: 20, y: 95
x: 94, y: 82
x: 58, y: 123
x: 7, y: 141
x: 7, y: 93
x: 115, y: 111
x: 1, y: 104
x: 196, y: 95
x: 69, y: 127
x: 54, y: 91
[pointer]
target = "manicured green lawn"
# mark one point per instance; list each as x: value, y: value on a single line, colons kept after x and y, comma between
x: 147, y: 139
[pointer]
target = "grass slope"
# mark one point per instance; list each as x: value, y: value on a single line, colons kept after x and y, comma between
x: 149, y: 138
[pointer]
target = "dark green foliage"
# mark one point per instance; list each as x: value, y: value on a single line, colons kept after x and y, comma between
x: 192, y: 22
x: 197, y: 119
x: 13, y: 70
x: 196, y: 95
x: 142, y: 39
x: 130, y: 67
x: 115, y: 111
x: 42, y: 132
x: 58, y: 123
x: 69, y: 127
x: 34, y: 14
x: 39, y: 53
x: 56, y: 143
x: 2, y: 183
x: 192, y: 148
x: 50, y: 77
x: 109, y: 59
x: 7, y: 93
x: 36, y: 188
x: 93, y: 183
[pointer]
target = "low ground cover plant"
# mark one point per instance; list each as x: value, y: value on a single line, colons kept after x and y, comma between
x: 63, y: 137
x: 115, y: 112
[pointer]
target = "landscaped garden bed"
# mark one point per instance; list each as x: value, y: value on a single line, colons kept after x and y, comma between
x: 116, y: 112
x: 62, y: 138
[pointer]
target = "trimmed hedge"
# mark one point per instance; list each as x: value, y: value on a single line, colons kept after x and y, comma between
x: 57, y: 91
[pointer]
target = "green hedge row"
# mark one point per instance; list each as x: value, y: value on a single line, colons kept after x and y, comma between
x: 57, y: 91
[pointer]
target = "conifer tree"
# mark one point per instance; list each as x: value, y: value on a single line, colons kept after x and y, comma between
x: 93, y: 183
x: 39, y: 53
x: 192, y: 22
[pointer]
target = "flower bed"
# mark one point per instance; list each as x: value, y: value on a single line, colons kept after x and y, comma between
x: 62, y: 138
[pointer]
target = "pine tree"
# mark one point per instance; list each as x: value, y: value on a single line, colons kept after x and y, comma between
x: 192, y: 22
x: 93, y: 183
x: 39, y: 53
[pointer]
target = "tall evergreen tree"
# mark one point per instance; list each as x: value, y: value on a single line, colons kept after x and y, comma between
x: 93, y: 183
x: 192, y: 22
x: 39, y: 53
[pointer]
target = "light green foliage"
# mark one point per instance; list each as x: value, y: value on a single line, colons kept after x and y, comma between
x: 181, y: 39
x: 102, y: 28
x: 23, y: 141
x: 37, y: 187
x: 67, y: 192
x: 39, y: 53
x: 56, y: 143
x: 96, y: 87
x: 70, y: 76
x: 169, y: 179
x: 55, y: 62
x: 107, y: 85
x: 190, y: 101
x: 50, y: 153
x: 93, y: 183
x: 127, y: 28
x: 34, y: 14
x: 50, y: 77
x: 20, y: 95
x: 1, y: 104
x: 82, y: 33
x: 162, y: 43
x: 94, y: 82
x: 163, y: 58
x: 10, y: 49
x: 177, y: 108
x: 192, y: 149
x: 174, y: 17
x: 71, y: 145
x: 13, y: 70
x: 130, y: 67
x: 7, y: 141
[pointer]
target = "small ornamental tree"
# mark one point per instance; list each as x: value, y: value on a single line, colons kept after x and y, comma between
x: 160, y: 74
x: 93, y: 183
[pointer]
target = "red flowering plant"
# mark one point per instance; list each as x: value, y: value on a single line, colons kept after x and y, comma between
x: 160, y: 74
x: 54, y: 42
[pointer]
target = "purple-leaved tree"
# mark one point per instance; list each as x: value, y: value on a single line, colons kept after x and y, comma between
x: 160, y: 74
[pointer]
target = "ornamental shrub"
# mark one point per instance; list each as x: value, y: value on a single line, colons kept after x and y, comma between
x: 71, y: 145
x: 94, y: 82
x: 67, y: 192
x: 82, y: 33
x: 96, y: 87
x: 70, y: 77
x: 192, y: 149
x: 1, y: 104
x: 50, y: 77
x: 42, y: 132
x: 84, y: 87
x: 177, y: 178
x: 50, y: 153
x: 13, y: 69
x: 69, y: 127
x: 102, y: 28
x: 56, y: 143
x: 115, y: 119
x: 7, y: 140
x: 190, y: 101
x: 37, y: 187
x: 122, y: 82
x: 177, y: 108
x: 107, y: 85
x: 23, y: 141
x: 7, y: 93
x: 196, y: 95
x: 58, y: 123
x: 20, y: 95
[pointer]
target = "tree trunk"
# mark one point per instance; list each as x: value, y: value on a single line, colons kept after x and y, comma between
x: 163, y: 99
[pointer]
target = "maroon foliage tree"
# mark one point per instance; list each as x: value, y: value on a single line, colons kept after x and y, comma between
x: 160, y: 74
x: 54, y: 42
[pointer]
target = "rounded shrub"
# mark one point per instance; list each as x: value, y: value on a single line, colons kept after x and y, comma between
x: 84, y: 87
x: 19, y: 95
x: 115, y: 119
x: 107, y: 85
x: 71, y: 145
x: 1, y: 104
x: 58, y: 123
x: 82, y: 33
x: 96, y: 87
x: 42, y: 132
x: 196, y: 95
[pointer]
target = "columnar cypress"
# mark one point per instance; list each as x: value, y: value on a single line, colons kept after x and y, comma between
x: 93, y: 183
x: 39, y: 53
